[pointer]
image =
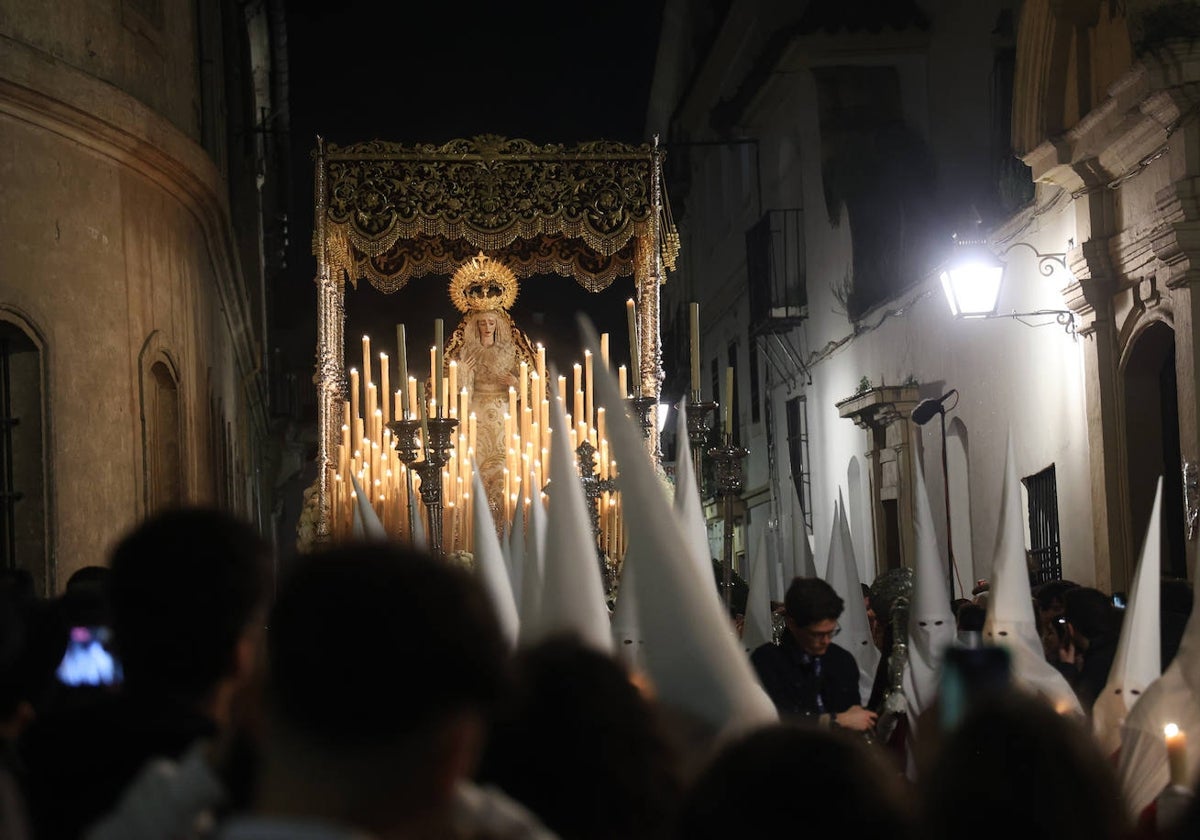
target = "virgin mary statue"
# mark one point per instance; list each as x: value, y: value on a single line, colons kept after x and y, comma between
x: 489, y: 349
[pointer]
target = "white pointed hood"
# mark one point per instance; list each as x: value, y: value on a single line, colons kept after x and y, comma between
x: 514, y: 546
x: 758, y: 627
x: 627, y: 635
x: 841, y: 572
x: 1172, y: 698
x: 572, y: 598
x: 687, y: 500
x: 367, y: 520
x: 691, y: 653
x: 1138, y: 660
x: 803, y: 562
x: 489, y: 563
x: 533, y: 572
x: 931, y: 626
x: 1010, y: 620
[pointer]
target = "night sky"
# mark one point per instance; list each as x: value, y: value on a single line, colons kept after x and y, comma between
x: 546, y: 72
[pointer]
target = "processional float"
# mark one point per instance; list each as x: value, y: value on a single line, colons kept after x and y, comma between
x: 388, y: 213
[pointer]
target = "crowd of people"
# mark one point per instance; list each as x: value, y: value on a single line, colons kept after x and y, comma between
x: 369, y: 693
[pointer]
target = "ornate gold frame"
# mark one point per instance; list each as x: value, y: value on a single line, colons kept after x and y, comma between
x: 388, y: 213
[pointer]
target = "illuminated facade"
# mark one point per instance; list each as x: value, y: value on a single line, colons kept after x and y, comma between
x: 818, y: 163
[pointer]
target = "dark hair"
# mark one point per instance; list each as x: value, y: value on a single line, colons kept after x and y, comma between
x: 1052, y: 591
x: 1041, y: 774
x: 1091, y: 612
x: 809, y: 600
x: 789, y: 775
x: 579, y: 745
x: 371, y: 643
x: 971, y: 617
x: 184, y: 587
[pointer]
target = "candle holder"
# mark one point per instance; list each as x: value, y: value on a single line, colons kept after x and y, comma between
x: 641, y: 407
x: 437, y: 455
x: 728, y: 461
x: 593, y: 486
x: 404, y: 438
x: 698, y: 430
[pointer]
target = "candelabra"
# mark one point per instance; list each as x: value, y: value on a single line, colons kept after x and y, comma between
x: 641, y: 410
x: 593, y: 486
x: 437, y: 454
x: 727, y: 459
x: 698, y: 432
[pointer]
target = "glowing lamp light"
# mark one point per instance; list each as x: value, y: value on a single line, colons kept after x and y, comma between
x: 972, y: 281
x: 972, y: 278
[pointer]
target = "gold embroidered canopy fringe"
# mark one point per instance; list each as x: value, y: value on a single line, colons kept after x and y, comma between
x: 396, y: 212
x: 389, y: 213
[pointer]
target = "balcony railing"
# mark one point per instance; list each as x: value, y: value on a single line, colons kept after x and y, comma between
x: 775, y: 269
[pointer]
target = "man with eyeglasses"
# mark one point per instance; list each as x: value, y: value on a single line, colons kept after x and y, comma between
x: 807, y: 675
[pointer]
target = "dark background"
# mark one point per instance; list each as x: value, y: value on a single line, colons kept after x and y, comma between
x: 546, y: 72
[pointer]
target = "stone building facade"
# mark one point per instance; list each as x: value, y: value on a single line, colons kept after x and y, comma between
x: 822, y: 154
x: 140, y: 198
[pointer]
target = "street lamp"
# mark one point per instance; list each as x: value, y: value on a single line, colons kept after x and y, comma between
x: 973, y: 277
x: 922, y: 414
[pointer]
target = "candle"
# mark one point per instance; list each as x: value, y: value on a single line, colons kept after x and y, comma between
x: 541, y: 361
x: 604, y: 349
x: 694, y: 312
x: 523, y: 383
x: 453, y: 386
x: 384, y: 390
x: 587, y: 387
x: 1177, y: 762
x: 412, y: 397
x: 577, y: 412
x: 465, y: 398
x: 355, y: 415
x: 424, y: 428
x: 366, y: 368
x: 402, y: 360
x: 398, y: 407
x: 512, y: 404
x: 433, y: 374
x: 729, y: 401
x: 622, y: 382
x: 439, y: 347
x: 562, y: 391
x: 635, y: 360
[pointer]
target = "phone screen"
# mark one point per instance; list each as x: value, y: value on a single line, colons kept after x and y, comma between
x: 967, y: 675
x: 89, y: 660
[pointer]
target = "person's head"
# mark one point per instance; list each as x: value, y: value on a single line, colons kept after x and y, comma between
x: 188, y: 590
x: 790, y: 776
x: 574, y: 708
x: 812, y: 610
x: 971, y: 617
x: 1041, y: 774
x: 1050, y: 598
x: 1090, y: 614
x: 382, y: 666
x: 490, y: 327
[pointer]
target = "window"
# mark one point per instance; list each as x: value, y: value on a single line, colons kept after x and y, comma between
x: 1044, y: 549
x: 755, y: 411
x: 735, y: 414
x: 796, y: 414
x: 162, y: 439
x: 24, y: 532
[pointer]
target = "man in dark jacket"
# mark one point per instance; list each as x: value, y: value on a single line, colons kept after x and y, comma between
x: 807, y: 675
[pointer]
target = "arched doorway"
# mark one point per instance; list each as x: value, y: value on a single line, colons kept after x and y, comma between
x: 1152, y: 442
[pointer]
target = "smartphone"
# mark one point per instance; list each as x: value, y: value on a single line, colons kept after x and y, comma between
x: 89, y: 660
x: 1060, y: 628
x: 1118, y: 600
x: 967, y: 675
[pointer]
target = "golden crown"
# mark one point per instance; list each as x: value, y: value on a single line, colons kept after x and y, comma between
x: 482, y: 283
